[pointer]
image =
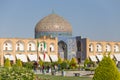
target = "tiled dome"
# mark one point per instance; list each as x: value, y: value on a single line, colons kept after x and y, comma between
x: 53, y: 23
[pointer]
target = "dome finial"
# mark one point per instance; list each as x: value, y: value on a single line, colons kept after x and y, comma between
x: 53, y: 12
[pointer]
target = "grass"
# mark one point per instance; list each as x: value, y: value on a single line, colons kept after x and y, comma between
x: 51, y: 77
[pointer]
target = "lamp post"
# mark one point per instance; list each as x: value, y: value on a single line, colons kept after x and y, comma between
x: 81, y: 53
x: 37, y: 50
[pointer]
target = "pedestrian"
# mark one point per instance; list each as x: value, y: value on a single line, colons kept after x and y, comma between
x: 43, y: 69
x: 35, y: 65
x: 56, y: 68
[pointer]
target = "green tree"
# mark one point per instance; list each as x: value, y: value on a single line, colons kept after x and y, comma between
x: 86, y: 62
x: 41, y: 63
x: 28, y: 65
x: 68, y: 64
x: 19, y: 63
x: 59, y: 60
x: 106, y: 70
x: 64, y: 65
x: 73, y: 63
x: 7, y: 63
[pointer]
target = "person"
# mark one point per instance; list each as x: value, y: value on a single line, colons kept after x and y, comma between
x: 48, y: 67
x: 43, y: 68
x: 56, y: 68
x: 40, y: 67
x: 35, y: 65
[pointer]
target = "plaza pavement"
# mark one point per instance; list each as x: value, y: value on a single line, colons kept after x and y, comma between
x: 70, y: 73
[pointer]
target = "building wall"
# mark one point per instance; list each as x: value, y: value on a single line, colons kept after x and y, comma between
x: 84, y: 50
x: 72, y: 48
x: 12, y: 46
x: 102, y: 47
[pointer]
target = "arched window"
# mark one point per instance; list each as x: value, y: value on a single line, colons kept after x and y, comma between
x: 52, y: 47
x: 7, y: 46
x: 91, y: 48
x: 99, y: 48
x: 19, y: 46
x: 42, y: 46
x: 108, y: 48
x: 31, y: 46
x: 116, y: 48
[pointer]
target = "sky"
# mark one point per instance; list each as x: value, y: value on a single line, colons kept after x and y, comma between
x: 93, y: 19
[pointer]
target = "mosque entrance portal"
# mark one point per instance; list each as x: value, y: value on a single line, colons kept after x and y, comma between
x: 62, y: 49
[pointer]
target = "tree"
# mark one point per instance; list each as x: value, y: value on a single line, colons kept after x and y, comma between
x: 19, y: 63
x: 28, y: 65
x: 59, y: 60
x: 64, y: 64
x: 86, y: 62
x: 73, y: 63
x: 106, y: 70
x: 7, y: 63
x: 41, y: 63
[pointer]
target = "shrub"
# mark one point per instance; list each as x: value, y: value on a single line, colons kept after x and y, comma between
x: 64, y: 65
x: 59, y: 60
x: 73, y: 63
x: 15, y: 73
x: 28, y: 65
x: 7, y: 63
x: 19, y: 63
x: 68, y: 64
x: 86, y: 62
x: 41, y: 63
x: 106, y: 70
x: 47, y: 64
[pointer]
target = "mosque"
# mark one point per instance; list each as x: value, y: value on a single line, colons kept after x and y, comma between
x: 53, y: 38
x: 68, y: 46
x: 54, y: 25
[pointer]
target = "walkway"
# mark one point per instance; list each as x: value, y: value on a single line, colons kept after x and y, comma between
x: 70, y: 73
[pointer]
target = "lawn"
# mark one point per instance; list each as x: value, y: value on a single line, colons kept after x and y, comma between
x: 51, y: 77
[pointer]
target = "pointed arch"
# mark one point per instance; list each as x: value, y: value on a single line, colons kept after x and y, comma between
x: 7, y: 45
x: 42, y: 46
x: 99, y: 47
x: 91, y: 48
x: 108, y: 47
x: 31, y: 46
x: 52, y: 47
x: 62, y: 48
x: 19, y: 46
x: 116, y: 48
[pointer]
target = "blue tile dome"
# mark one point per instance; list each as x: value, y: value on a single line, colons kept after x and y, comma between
x: 53, y: 25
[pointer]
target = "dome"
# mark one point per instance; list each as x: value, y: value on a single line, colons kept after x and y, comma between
x: 53, y: 24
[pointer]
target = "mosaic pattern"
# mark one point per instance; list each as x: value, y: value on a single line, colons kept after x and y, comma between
x: 53, y: 24
x: 53, y: 34
x: 72, y: 48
